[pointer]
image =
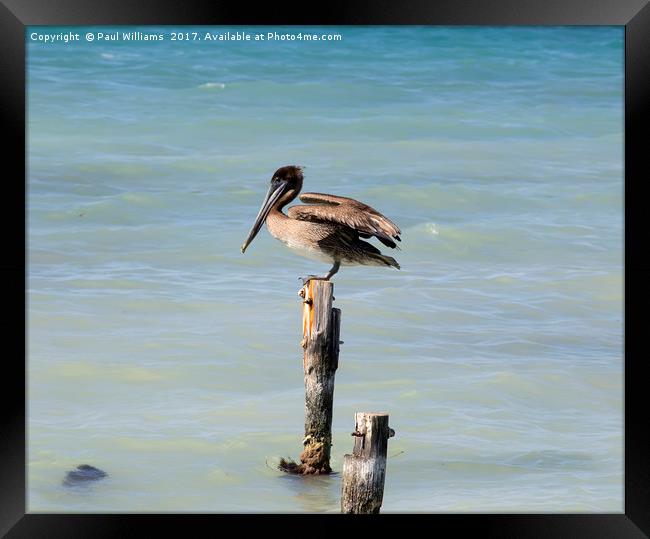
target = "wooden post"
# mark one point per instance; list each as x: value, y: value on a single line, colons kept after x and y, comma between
x: 364, y: 471
x: 321, y: 328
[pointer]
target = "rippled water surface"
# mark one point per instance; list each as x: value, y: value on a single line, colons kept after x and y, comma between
x: 159, y: 353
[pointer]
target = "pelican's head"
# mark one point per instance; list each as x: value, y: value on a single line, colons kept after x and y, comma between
x: 286, y: 183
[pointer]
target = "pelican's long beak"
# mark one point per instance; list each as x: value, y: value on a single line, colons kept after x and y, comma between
x: 275, y: 191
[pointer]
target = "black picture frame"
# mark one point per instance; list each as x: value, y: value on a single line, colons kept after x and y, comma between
x: 15, y: 15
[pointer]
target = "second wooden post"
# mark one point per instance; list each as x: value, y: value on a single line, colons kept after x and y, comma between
x: 321, y: 329
x: 364, y: 472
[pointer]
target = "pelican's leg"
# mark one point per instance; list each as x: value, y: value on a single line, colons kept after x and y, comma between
x: 332, y: 271
x: 327, y: 277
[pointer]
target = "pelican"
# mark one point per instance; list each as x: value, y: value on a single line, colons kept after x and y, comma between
x: 328, y: 229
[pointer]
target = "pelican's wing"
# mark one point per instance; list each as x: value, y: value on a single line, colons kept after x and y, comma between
x: 366, y: 221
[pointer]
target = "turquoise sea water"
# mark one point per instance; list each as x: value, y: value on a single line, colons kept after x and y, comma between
x: 162, y: 355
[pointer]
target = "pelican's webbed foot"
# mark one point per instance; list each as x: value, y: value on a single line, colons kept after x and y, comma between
x: 327, y: 277
x: 305, y: 280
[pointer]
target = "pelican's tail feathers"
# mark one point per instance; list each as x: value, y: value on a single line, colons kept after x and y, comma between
x: 388, y: 261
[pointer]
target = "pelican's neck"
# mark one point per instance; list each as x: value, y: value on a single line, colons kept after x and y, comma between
x: 276, y: 221
x: 285, y: 199
x: 276, y: 218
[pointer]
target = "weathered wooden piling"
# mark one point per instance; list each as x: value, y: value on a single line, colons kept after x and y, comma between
x: 321, y: 329
x: 364, y: 471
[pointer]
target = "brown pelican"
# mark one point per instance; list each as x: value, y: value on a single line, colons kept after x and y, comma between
x: 329, y: 229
